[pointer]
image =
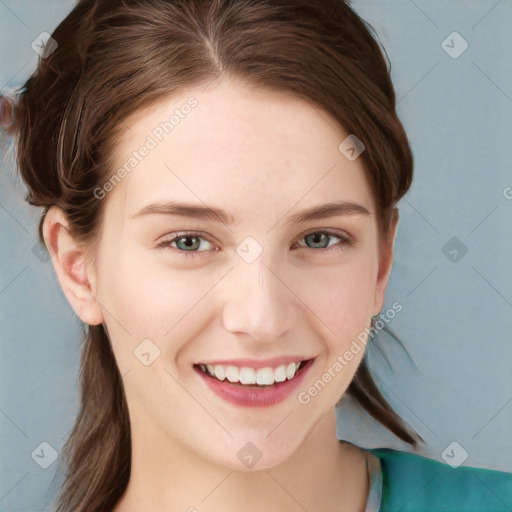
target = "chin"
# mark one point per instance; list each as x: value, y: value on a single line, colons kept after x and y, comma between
x: 256, y: 452
x: 253, y: 461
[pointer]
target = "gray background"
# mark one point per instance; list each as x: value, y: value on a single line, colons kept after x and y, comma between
x: 456, y: 320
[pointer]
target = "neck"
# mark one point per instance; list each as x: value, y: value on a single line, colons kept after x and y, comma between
x: 323, y: 473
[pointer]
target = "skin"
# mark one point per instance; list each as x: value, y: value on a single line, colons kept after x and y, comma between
x: 262, y: 156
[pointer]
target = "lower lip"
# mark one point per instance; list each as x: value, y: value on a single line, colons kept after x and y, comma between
x: 252, y: 396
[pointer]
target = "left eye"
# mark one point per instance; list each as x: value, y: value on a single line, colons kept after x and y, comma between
x: 318, y: 239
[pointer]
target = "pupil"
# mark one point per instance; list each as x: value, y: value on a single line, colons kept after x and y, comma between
x: 318, y: 238
x: 188, y: 241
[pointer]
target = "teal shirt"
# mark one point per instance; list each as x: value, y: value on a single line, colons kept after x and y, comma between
x: 407, y: 482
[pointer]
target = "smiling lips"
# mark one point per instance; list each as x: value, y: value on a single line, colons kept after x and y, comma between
x: 246, y: 375
x: 254, y: 383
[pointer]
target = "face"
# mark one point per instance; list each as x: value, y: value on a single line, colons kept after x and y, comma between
x: 269, y: 286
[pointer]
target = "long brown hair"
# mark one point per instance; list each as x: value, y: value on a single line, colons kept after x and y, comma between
x: 115, y: 57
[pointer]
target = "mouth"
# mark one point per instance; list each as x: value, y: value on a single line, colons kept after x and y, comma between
x: 250, y: 386
x: 253, y: 377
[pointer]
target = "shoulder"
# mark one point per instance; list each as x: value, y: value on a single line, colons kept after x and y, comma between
x: 412, y: 482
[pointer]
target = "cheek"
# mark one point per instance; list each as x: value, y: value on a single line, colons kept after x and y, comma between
x: 150, y: 300
x: 341, y: 296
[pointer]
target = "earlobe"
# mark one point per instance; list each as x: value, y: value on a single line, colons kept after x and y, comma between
x: 76, y: 277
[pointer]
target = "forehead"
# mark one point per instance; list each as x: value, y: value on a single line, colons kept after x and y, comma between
x: 235, y: 147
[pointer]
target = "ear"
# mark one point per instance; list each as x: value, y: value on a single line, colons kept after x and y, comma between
x: 385, y: 264
x: 75, y: 275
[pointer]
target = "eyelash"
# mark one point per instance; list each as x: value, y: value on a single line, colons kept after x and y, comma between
x: 343, y: 243
x: 166, y: 244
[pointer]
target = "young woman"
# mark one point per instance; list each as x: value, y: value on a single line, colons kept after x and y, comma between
x: 219, y: 181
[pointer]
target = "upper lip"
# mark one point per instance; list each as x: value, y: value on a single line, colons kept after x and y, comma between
x: 256, y: 363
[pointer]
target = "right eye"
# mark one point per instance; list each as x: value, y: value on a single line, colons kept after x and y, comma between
x: 186, y: 244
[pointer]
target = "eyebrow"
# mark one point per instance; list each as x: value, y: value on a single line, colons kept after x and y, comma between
x: 211, y: 213
x: 327, y: 210
x: 189, y: 210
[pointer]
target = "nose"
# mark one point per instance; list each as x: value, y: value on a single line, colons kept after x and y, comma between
x: 258, y: 302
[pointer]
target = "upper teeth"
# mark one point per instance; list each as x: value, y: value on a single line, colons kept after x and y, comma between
x: 261, y: 376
